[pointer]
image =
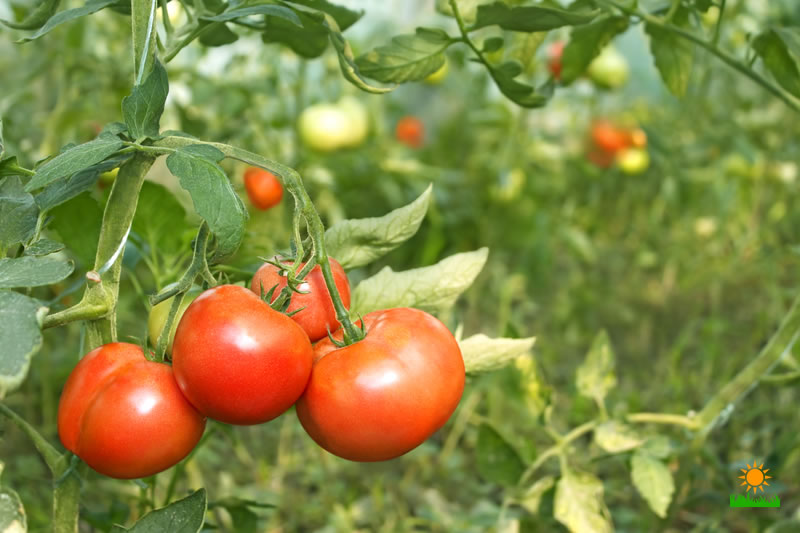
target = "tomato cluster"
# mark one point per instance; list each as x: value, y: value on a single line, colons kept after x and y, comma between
x: 611, y: 144
x: 237, y: 360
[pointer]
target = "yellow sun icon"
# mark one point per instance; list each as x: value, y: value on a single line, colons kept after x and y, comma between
x: 755, y: 477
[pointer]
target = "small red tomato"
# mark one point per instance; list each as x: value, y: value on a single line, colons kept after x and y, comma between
x: 554, y: 53
x: 637, y: 138
x: 386, y: 394
x: 263, y: 188
x: 410, y: 131
x: 124, y: 415
x: 237, y: 360
x: 608, y: 137
x: 317, y: 315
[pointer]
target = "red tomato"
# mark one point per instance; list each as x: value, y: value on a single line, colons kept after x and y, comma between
x: 238, y: 360
x: 384, y: 395
x: 608, y: 137
x: 263, y: 188
x: 124, y: 415
x: 554, y: 53
x: 318, y: 314
x: 410, y: 131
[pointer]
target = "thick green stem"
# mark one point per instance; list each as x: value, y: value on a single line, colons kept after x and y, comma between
x: 66, y: 503
x: 725, y: 400
x: 79, y: 311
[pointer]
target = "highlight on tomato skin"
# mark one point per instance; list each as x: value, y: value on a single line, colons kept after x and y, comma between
x: 385, y: 395
x: 263, y: 188
x: 410, y: 131
x: 124, y: 415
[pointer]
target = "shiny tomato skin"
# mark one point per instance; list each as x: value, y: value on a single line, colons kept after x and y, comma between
x: 237, y: 360
x: 124, y: 415
x: 410, y: 131
x: 318, y: 314
x: 386, y: 394
x: 263, y: 188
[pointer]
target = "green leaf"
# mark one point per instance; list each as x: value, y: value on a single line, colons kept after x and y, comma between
x: 347, y: 61
x: 657, y: 446
x: 2, y: 142
x: 20, y: 336
x: 791, y: 37
x: 532, y: 497
x: 145, y: 105
x: 43, y: 247
x: 595, y: 377
x: 30, y: 271
x: 616, y: 437
x: 78, y: 223
x: 484, y: 354
x: 218, y: 34
x: 672, y: 54
x: 497, y: 461
x: 467, y: 8
x: 356, y: 243
x: 160, y: 219
x: 74, y: 160
x: 310, y: 41
x: 343, y: 16
x: 182, y: 516
x: 585, y: 44
x: 18, y: 212
x: 12, y: 513
x: 520, y: 93
x: 212, y: 194
x: 433, y: 288
x: 244, y: 519
x: 9, y: 167
x: 579, y: 504
x: 772, y: 49
x: 37, y: 17
x: 92, y: 6
x: 407, y: 57
x: 653, y: 480
x: 529, y: 18
x: 64, y: 190
x: 281, y: 12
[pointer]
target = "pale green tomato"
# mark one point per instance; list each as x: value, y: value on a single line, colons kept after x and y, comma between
x: 358, y: 121
x: 158, y: 318
x: 324, y: 127
x: 610, y: 69
x: 439, y: 75
x: 633, y: 160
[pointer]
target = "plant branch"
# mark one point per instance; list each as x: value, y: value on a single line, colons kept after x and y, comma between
x: 46, y: 450
x: 83, y: 310
x: 557, y: 449
x: 663, y: 418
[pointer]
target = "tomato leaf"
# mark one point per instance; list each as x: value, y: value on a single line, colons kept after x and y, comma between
x: 160, y: 219
x: 520, y: 93
x: 182, y: 516
x: 19, y: 213
x: 484, y: 354
x: 774, y: 52
x: 212, y: 193
x: 78, y: 225
x: 497, y: 461
x: 579, y: 503
x: 281, y: 12
x: 407, y: 57
x: 532, y: 497
x: 432, y: 288
x: 672, y: 54
x: 585, y: 44
x: 92, y: 6
x: 616, y: 437
x: 791, y: 37
x: 356, y: 243
x: 343, y: 16
x: 36, y: 18
x: 64, y: 190
x: 28, y: 271
x: 20, y: 336
x: 43, y: 247
x: 309, y: 41
x: 145, y: 105
x: 74, y: 160
x: 529, y: 18
x: 595, y: 377
x: 347, y: 61
x: 653, y: 480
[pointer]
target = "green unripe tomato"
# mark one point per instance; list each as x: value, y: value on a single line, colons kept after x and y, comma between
x: 158, y: 318
x: 610, y: 69
x: 633, y: 161
x: 328, y: 127
x: 358, y: 121
x: 439, y: 75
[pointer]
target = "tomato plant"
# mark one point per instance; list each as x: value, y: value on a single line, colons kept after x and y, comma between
x: 384, y: 395
x: 124, y: 415
x: 263, y: 188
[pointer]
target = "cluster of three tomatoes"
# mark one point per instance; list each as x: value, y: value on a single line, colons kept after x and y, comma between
x: 237, y: 360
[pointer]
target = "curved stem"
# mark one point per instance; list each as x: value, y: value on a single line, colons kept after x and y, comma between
x: 557, y: 449
x: 81, y: 311
x: 46, y: 450
x: 781, y: 379
x: 663, y: 418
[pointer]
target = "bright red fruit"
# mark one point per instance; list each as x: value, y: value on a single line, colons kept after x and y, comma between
x: 124, y: 415
x: 384, y: 395
x: 410, y: 131
x: 608, y: 137
x: 554, y: 53
x: 263, y: 188
x: 237, y: 360
x: 317, y: 315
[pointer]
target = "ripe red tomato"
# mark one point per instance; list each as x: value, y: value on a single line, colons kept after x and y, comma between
x: 554, y: 53
x: 608, y: 137
x: 318, y: 314
x: 237, y: 360
x: 263, y: 188
x: 124, y: 415
x: 384, y: 395
x: 410, y: 131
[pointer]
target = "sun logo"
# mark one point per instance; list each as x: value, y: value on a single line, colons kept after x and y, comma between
x: 755, y: 477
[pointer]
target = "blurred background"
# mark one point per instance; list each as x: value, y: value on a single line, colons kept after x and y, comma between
x: 687, y: 258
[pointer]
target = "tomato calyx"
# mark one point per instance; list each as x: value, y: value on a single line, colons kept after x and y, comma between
x: 342, y: 343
